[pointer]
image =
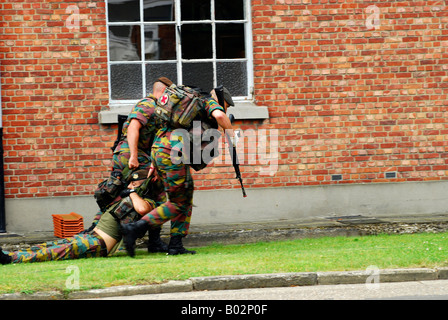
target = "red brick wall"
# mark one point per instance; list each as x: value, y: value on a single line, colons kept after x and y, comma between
x: 354, y: 100
x: 54, y: 83
x: 346, y: 98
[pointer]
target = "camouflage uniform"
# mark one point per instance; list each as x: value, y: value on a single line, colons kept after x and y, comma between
x: 79, y: 246
x: 176, y: 177
x: 157, y: 193
x: 83, y: 245
x: 144, y: 113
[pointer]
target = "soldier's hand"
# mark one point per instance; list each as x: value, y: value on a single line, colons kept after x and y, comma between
x: 133, y: 163
x: 153, y: 172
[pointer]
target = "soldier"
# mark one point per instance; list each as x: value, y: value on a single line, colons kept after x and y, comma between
x: 133, y: 150
x: 177, y: 180
x: 104, y: 239
x: 139, y: 131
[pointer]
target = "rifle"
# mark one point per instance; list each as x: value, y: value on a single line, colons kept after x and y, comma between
x: 121, y: 120
x: 232, y: 149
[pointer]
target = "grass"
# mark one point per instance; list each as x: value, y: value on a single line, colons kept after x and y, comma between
x: 301, y: 255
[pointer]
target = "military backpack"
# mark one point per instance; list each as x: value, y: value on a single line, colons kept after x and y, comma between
x: 180, y: 107
x: 108, y: 190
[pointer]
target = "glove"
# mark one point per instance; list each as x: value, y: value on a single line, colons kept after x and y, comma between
x: 126, y: 192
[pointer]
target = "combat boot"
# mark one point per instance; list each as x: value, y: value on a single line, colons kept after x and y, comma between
x: 176, y: 247
x: 131, y: 232
x: 4, y: 258
x: 155, y: 243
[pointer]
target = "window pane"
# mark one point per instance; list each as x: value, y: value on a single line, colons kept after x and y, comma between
x: 230, y: 41
x: 123, y: 10
x: 198, y: 74
x: 160, y: 42
x: 155, y: 71
x: 158, y: 10
x: 124, y: 43
x: 229, y: 10
x: 196, y: 41
x: 195, y: 10
x: 126, y: 81
x: 233, y: 76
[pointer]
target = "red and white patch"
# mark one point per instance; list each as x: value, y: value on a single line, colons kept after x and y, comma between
x: 164, y: 99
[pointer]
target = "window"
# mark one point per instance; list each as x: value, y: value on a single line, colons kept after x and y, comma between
x: 193, y: 42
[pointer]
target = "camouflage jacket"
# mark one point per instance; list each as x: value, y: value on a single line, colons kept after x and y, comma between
x: 143, y: 111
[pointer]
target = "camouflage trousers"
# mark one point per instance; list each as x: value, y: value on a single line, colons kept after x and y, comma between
x: 121, y: 160
x: 85, y: 245
x: 179, y: 187
x: 179, y: 223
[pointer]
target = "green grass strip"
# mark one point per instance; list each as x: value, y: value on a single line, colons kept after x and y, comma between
x: 301, y: 255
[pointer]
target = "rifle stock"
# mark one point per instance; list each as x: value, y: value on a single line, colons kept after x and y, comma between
x: 121, y: 120
x: 232, y: 149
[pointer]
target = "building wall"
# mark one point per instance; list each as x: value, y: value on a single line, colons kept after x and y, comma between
x: 353, y: 93
x: 54, y: 83
x: 354, y: 89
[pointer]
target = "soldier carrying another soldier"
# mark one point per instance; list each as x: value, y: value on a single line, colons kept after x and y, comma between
x: 133, y: 151
x: 176, y: 177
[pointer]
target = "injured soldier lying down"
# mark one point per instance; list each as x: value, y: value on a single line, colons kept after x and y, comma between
x: 104, y: 239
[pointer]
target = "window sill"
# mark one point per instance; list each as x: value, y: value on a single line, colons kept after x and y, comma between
x: 247, y: 110
x: 243, y: 110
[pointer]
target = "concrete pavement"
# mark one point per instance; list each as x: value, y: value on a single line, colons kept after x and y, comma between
x: 230, y: 301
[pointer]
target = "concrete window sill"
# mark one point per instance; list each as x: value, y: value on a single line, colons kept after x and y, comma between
x: 243, y: 110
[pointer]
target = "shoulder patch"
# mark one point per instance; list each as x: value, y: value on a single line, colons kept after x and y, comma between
x: 163, y: 100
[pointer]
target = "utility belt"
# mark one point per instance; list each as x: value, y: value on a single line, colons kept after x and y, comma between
x: 123, y: 211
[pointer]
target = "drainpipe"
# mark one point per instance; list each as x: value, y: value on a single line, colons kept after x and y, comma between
x: 2, y: 173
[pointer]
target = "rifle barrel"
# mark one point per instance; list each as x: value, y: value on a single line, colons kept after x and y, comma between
x: 232, y: 148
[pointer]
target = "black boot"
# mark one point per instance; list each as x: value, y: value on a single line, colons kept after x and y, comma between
x: 131, y: 232
x: 176, y: 246
x: 155, y: 243
x: 4, y: 258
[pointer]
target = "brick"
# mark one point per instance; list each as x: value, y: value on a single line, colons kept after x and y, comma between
x: 342, y: 97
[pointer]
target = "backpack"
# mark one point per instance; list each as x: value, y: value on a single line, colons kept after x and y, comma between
x: 123, y: 211
x: 179, y: 106
x: 109, y: 189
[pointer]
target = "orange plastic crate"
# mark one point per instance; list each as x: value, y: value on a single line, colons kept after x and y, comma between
x: 67, y: 225
x: 67, y: 217
x: 66, y: 233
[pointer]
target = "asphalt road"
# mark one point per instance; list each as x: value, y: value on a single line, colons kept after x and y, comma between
x: 413, y: 290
